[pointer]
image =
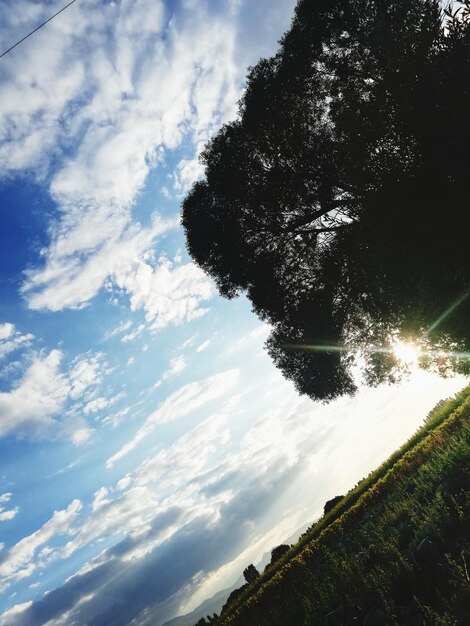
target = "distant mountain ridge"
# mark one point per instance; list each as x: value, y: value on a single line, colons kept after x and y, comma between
x: 215, y: 604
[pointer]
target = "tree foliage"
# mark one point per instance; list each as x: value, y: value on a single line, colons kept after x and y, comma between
x: 278, y: 551
x: 337, y: 200
x: 234, y: 595
x: 250, y: 573
x: 330, y: 504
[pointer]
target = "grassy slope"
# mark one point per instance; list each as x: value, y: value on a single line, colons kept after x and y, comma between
x: 396, y: 550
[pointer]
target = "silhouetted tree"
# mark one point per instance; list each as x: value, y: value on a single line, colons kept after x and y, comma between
x: 250, y: 573
x: 277, y: 552
x: 233, y: 596
x: 330, y: 504
x: 337, y: 200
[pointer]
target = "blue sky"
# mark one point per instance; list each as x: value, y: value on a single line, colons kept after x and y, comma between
x: 149, y: 450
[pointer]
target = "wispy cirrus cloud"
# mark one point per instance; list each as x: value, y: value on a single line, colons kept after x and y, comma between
x: 120, y: 329
x: 181, y: 402
x: 176, y: 366
x: 203, y: 346
x: 100, y: 403
x: 96, y: 118
x: 19, y: 561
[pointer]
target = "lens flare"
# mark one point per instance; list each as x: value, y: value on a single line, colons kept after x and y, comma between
x: 406, y: 352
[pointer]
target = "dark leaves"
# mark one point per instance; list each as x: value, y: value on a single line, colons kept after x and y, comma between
x: 337, y: 200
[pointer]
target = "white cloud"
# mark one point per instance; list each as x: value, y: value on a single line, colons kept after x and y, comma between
x: 134, y: 334
x: 116, y: 418
x: 119, y: 329
x: 168, y: 293
x: 177, y: 365
x: 6, y: 330
x: 142, y: 500
x: 187, y: 457
x: 203, y: 346
x: 11, y: 339
x: 96, y: 405
x: 188, y: 171
x: 100, y: 498
x: 124, y: 482
x: 14, y: 613
x: 113, y: 97
x: 39, y: 396
x: 81, y: 435
x: 260, y: 332
x: 132, y: 510
x: 73, y: 275
x: 181, y: 402
x: 188, y: 342
x: 242, y: 491
x: 102, y: 88
x: 86, y: 372
x: 45, y: 400
x: 19, y: 561
x: 9, y: 514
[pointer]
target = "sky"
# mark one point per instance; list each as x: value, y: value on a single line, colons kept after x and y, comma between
x: 149, y: 449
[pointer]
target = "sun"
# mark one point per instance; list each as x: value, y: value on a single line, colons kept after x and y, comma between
x: 406, y: 352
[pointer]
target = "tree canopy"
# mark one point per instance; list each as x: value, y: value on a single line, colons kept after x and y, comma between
x: 330, y: 504
x: 250, y: 573
x: 337, y: 200
x: 277, y: 552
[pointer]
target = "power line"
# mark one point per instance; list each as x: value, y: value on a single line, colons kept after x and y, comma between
x: 37, y: 28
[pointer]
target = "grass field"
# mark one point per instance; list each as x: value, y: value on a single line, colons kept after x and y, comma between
x: 395, y: 550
